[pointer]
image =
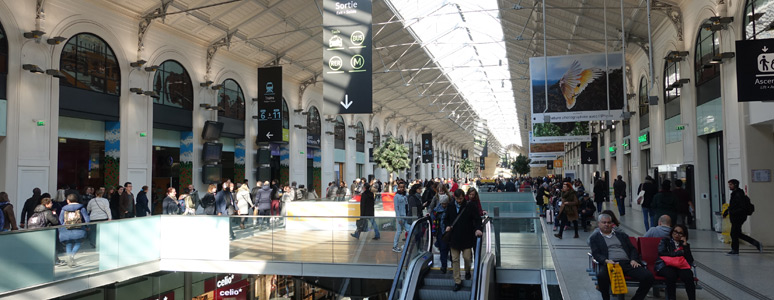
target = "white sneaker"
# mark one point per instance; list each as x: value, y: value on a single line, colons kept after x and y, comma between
x: 396, y: 249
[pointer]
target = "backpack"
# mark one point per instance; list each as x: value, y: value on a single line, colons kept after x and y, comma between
x: 37, y: 220
x: 71, y: 218
x: 2, y: 216
x: 749, y: 208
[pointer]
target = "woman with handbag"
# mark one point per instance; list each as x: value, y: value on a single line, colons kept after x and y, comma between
x: 464, y: 226
x: 675, y: 261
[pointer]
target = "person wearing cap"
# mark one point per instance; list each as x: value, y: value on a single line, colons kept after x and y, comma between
x: 586, y: 209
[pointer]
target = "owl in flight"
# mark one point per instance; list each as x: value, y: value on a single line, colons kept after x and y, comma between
x: 575, y: 80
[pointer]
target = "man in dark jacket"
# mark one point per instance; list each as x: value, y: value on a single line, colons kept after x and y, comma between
x: 609, y: 247
x: 29, y: 207
x: 142, y: 202
x: 619, y: 190
x: 127, y: 206
x: 366, y: 210
x: 510, y: 186
x: 737, y: 211
x: 464, y: 231
x: 600, y: 193
x: 650, y: 188
x: 428, y: 194
x: 684, y: 203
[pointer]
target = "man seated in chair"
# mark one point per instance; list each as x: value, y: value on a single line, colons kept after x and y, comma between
x: 609, y: 247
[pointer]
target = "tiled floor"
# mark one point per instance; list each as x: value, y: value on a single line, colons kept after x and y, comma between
x: 746, y: 276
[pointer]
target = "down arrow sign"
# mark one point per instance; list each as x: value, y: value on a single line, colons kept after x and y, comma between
x: 346, y: 103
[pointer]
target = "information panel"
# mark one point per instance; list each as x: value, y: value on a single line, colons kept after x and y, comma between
x: 589, y: 152
x: 755, y: 70
x: 427, y: 147
x: 464, y: 154
x: 347, y: 81
x: 269, y: 105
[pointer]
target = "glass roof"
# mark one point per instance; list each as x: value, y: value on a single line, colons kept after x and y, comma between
x: 465, y: 39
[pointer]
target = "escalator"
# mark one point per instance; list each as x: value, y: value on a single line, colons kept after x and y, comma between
x: 417, y: 279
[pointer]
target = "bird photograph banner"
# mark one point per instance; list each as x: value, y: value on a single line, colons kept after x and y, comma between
x: 586, y: 87
x: 564, y: 132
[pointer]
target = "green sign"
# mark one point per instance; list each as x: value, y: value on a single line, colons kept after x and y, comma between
x: 680, y: 127
x: 143, y: 134
x: 643, y: 138
x: 41, y: 123
x: 612, y: 149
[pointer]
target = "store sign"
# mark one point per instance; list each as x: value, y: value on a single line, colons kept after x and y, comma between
x: 644, y: 138
x: 427, y: 148
x: 755, y: 70
x: 589, y: 152
x: 626, y: 145
x: 269, y: 105
x: 347, y: 81
x: 612, y: 149
x: 229, y: 287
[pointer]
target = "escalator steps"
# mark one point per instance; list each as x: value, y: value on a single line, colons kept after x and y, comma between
x: 438, y: 286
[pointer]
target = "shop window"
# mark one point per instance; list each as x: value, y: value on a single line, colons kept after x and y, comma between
x: 88, y: 63
x: 707, y: 46
x: 173, y: 85
x: 314, y: 127
x: 671, y: 80
x: 360, y: 138
x: 377, y: 137
x: 339, y: 133
x: 758, y: 19
x: 232, y: 100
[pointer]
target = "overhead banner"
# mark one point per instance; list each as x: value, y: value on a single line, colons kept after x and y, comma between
x: 577, y: 87
x: 482, y: 163
x: 589, y: 152
x: 755, y: 70
x: 347, y: 82
x: 427, y: 147
x: 546, y: 151
x: 269, y: 105
x: 560, y: 132
x: 464, y: 154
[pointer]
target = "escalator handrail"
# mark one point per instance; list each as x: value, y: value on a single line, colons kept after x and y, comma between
x: 404, y: 253
x: 477, y: 259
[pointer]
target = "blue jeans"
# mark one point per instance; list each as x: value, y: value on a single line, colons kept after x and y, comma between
x: 373, y: 224
x: 401, y: 226
x: 72, y: 247
x: 599, y: 206
x: 646, y: 218
x: 621, y: 205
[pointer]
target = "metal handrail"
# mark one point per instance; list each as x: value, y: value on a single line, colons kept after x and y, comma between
x: 405, y: 255
x: 477, y: 259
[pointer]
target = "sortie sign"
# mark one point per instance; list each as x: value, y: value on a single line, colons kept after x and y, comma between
x: 347, y: 81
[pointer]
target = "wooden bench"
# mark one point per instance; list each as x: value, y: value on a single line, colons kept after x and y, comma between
x: 647, y: 248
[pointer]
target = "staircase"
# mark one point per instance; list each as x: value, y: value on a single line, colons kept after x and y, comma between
x: 438, y: 286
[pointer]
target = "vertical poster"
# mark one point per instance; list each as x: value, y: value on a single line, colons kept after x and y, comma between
x: 347, y: 82
x: 589, y: 152
x: 586, y: 87
x: 464, y: 154
x: 269, y: 105
x: 427, y: 148
x: 754, y: 70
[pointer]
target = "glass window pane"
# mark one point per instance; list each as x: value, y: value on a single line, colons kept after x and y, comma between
x: 89, y: 63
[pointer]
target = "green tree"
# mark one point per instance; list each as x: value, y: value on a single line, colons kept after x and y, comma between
x: 521, y: 165
x: 391, y: 156
x: 466, y: 166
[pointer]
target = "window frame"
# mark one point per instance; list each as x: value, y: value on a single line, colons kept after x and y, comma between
x: 339, y: 133
x: 163, y: 93
x: 79, y: 59
x: 240, y: 114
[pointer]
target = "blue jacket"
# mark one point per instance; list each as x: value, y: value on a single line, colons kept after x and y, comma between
x: 74, y: 234
x: 401, y: 205
x: 142, y: 204
x: 220, y: 203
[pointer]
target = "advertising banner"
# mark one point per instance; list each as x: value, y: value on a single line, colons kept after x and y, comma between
x: 269, y: 105
x: 589, y: 152
x: 755, y: 70
x: 560, y: 132
x: 586, y: 87
x: 427, y: 148
x: 347, y: 82
x: 546, y: 151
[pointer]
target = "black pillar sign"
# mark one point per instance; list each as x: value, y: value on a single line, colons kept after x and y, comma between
x: 269, y: 105
x: 549, y: 165
x: 347, y: 80
x: 427, y: 147
x: 464, y: 154
x: 482, y: 163
x: 589, y: 152
x: 754, y: 70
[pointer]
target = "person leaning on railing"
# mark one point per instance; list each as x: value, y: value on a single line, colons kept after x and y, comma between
x: 464, y: 223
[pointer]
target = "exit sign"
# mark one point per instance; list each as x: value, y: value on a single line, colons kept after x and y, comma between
x: 680, y: 127
x: 643, y: 138
x: 612, y: 149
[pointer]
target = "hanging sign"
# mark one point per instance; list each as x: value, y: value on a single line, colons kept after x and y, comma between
x: 464, y: 154
x: 754, y: 70
x: 482, y: 163
x: 347, y: 81
x: 427, y: 147
x: 589, y: 152
x: 269, y: 105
